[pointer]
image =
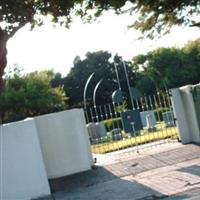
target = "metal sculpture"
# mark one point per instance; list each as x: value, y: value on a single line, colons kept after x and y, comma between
x: 85, y: 89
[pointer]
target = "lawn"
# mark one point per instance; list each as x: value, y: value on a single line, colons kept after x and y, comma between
x: 146, y: 137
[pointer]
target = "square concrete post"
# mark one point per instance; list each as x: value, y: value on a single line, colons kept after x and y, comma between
x: 185, y: 114
x: 64, y: 141
x: 23, y: 175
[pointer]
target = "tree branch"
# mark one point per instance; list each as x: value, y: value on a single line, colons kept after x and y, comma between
x: 195, y: 24
x: 15, y: 29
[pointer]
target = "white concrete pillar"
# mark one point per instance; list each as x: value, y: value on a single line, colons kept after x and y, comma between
x: 185, y: 114
x: 179, y: 113
x: 64, y: 141
x: 23, y: 175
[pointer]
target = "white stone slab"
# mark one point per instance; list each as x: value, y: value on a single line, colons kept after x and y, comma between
x: 23, y: 175
x: 64, y: 142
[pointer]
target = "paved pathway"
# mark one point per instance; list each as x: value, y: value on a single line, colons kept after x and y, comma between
x: 172, y: 174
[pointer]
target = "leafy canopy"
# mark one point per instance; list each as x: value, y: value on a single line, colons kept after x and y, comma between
x: 149, y: 16
x: 171, y: 66
x: 100, y: 63
x: 30, y: 95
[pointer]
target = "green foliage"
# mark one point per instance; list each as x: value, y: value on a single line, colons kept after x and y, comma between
x: 15, y: 13
x: 153, y: 17
x: 157, y: 70
x: 30, y: 95
x: 169, y: 67
x: 174, y: 66
x: 146, y: 84
x: 113, y: 123
x: 121, y: 108
x: 157, y: 17
x: 98, y: 62
x: 158, y: 113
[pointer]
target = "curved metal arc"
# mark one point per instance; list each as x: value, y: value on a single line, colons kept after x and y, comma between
x: 85, y: 88
x: 95, y: 91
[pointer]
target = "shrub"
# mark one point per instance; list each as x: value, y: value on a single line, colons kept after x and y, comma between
x: 158, y: 112
x: 113, y: 123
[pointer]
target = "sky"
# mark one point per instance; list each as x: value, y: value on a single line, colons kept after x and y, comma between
x: 49, y: 47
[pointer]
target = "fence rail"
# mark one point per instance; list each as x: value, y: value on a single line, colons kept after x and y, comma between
x: 116, y: 126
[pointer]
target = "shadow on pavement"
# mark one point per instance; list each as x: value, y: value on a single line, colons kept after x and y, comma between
x: 100, y: 184
x: 192, y: 194
x: 193, y: 169
x: 83, y: 179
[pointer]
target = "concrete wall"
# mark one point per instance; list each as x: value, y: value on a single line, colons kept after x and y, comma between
x: 185, y: 114
x: 23, y: 175
x: 64, y: 142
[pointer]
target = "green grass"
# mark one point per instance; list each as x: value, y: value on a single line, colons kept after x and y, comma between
x: 146, y: 137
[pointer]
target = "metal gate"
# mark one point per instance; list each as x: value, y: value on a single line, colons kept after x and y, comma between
x: 113, y: 127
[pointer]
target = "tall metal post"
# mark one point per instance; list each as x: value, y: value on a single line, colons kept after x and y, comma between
x: 128, y: 83
x: 117, y: 74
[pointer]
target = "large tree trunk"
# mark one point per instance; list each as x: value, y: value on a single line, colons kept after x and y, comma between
x: 3, y: 55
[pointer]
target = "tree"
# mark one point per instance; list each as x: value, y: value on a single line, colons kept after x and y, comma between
x: 170, y: 67
x: 56, y: 80
x: 30, y: 95
x: 74, y: 83
x: 98, y: 62
x: 152, y: 17
x: 145, y: 84
x: 157, y: 17
x: 191, y: 61
x: 14, y: 14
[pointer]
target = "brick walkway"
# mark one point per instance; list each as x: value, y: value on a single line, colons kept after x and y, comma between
x: 133, y: 168
x: 158, y: 160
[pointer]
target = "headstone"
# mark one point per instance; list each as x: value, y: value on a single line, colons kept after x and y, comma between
x: 168, y: 118
x: 93, y: 132
x: 116, y: 134
x: 102, y: 129
x: 131, y: 121
x: 135, y: 93
x: 96, y: 130
x: 117, y: 96
x: 150, y: 123
x: 152, y: 118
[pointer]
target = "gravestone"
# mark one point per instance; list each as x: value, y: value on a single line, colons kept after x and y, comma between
x: 168, y: 118
x: 131, y: 121
x: 151, y: 118
x: 116, y: 134
x: 96, y: 130
x: 150, y: 123
x: 102, y: 129
x: 92, y: 131
x: 117, y: 96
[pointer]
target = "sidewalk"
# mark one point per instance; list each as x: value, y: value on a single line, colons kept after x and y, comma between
x: 171, y: 174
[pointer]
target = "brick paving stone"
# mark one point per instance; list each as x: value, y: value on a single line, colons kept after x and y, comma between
x: 155, y: 161
x: 192, y: 194
x: 171, y: 182
x: 161, y: 174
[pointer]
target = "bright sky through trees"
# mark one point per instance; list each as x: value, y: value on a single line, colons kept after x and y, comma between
x: 55, y: 48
